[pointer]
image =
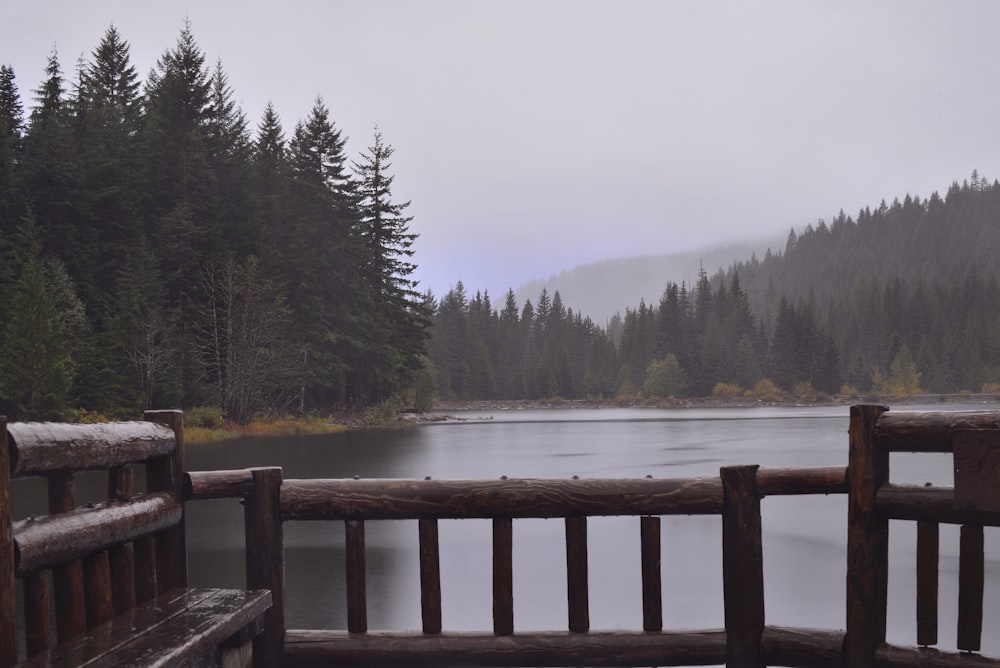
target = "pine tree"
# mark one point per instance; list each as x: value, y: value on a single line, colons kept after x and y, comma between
x: 397, y: 320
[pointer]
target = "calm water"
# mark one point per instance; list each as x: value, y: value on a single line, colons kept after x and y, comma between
x: 804, y: 537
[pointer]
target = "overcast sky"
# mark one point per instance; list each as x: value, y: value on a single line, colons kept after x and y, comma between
x: 535, y: 136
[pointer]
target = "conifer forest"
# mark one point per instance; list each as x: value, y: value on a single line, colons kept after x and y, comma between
x: 159, y: 249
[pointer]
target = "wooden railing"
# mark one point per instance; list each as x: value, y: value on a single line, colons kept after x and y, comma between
x: 734, y: 495
x: 114, y: 573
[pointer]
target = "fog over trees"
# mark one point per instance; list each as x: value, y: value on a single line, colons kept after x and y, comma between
x: 160, y: 249
x: 902, y: 299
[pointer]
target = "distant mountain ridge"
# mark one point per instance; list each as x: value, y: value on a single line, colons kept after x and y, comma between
x: 606, y: 287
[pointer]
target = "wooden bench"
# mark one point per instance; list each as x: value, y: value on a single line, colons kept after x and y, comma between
x: 117, y: 568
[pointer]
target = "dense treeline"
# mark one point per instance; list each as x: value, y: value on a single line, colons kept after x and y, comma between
x: 903, y: 300
x: 156, y: 251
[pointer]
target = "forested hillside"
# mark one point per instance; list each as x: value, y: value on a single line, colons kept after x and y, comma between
x: 157, y: 251
x: 902, y: 300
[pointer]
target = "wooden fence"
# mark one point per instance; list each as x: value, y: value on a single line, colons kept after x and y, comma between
x: 734, y: 495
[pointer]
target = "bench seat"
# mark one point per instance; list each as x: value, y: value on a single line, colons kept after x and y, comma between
x: 183, y: 627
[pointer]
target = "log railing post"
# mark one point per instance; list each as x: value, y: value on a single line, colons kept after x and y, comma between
x: 928, y: 548
x: 652, y: 578
x: 867, y: 540
x: 742, y: 567
x: 430, y: 576
x: 166, y: 474
x: 971, y: 570
x: 503, y: 576
x: 577, y: 590
x: 120, y: 483
x: 8, y: 626
x: 357, y: 598
x: 67, y: 580
x: 265, y: 560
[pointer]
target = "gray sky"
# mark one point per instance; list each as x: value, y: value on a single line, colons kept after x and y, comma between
x: 535, y: 136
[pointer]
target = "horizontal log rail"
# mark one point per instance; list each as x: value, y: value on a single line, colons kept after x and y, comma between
x: 464, y: 499
x: 64, y: 537
x: 41, y: 448
x: 895, y: 656
x: 201, y: 485
x: 781, y: 646
x: 928, y: 432
x: 548, y: 648
x: 928, y: 504
x: 406, y: 495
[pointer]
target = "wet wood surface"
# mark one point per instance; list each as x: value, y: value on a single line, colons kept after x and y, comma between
x: 39, y: 448
x: 559, y: 648
x: 182, y: 627
x: 928, y: 431
x: 340, y: 499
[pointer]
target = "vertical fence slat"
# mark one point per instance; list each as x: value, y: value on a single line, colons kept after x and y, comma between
x: 144, y: 560
x: 166, y: 474
x: 357, y: 610
x: 577, y: 592
x: 8, y: 625
x: 67, y: 580
x: 652, y: 578
x: 970, y: 588
x: 503, y: 576
x: 97, y: 585
x: 928, y: 541
x: 430, y: 576
x: 742, y: 567
x: 867, y: 540
x: 265, y: 560
x: 37, y: 626
x: 120, y: 484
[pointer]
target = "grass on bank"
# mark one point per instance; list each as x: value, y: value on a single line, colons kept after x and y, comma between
x: 282, y: 427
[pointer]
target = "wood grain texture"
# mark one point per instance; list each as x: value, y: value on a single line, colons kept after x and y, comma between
x: 742, y: 567
x: 265, y: 560
x: 503, y: 576
x: 867, y: 540
x: 928, y: 431
x: 8, y: 610
x: 58, y: 539
x: 652, y: 575
x: 561, y: 648
x: 180, y: 628
x: 977, y: 469
x: 234, y: 484
x: 430, y: 576
x: 928, y: 504
x: 577, y: 583
x: 928, y: 548
x: 971, y: 571
x: 462, y: 499
x: 39, y: 448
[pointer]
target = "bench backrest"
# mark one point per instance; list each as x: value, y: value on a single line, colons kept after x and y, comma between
x: 99, y: 559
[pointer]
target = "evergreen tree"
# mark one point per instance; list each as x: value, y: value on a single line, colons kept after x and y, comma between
x: 397, y: 322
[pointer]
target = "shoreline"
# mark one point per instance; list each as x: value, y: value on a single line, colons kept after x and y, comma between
x: 706, y: 402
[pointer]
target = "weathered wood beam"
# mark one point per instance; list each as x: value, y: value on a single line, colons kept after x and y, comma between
x: 616, y: 648
x: 338, y: 499
x: 928, y: 432
x: 805, y: 648
x: 200, y: 485
x: 928, y: 504
x: 742, y: 567
x: 62, y: 538
x: 867, y: 540
x: 816, y: 480
x: 38, y: 448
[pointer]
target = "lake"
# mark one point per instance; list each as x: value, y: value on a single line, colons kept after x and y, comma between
x: 804, y: 537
